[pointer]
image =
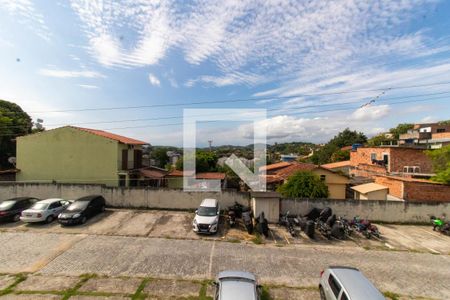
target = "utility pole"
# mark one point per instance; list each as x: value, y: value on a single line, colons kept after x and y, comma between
x: 210, y: 143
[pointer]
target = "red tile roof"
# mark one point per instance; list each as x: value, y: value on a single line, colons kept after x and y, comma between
x: 293, y: 168
x: 112, y: 136
x: 210, y: 175
x: 152, y: 172
x: 275, y: 166
x: 347, y: 148
x: 200, y: 175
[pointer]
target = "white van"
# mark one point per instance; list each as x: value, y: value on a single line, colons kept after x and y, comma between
x: 207, y: 217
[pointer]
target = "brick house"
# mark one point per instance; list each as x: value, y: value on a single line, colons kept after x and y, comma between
x: 372, y: 161
x: 415, y: 190
x: 430, y: 135
x: 277, y: 174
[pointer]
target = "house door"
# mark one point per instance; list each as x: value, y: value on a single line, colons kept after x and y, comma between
x: 125, y: 159
x: 122, y: 180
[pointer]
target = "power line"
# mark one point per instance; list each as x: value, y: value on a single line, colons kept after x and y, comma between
x: 272, y: 109
x: 292, y: 114
x: 240, y: 100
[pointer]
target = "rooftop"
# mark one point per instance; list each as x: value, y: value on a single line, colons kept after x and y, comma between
x: 275, y: 166
x: 339, y: 164
x: 369, y: 187
x: 112, y: 136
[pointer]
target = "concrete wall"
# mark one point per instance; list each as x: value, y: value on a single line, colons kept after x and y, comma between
x: 384, y: 211
x: 67, y: 154
x: 124, y: 197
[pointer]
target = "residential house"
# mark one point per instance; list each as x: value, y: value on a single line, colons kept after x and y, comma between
x: 79, y: 155
x: 207, y: 179
x: 278, y: 173
x: 414, y: 189
x: 370, y: 191
x: 384, y: 160
x: 153, y: 177
x: 288, y: 157
x: 429, y: 136
x: 340, y: 166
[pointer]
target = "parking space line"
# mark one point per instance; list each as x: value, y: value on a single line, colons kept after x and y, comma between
x: 211, y: 259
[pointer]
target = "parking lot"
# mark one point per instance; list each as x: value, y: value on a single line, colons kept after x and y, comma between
x: 178, y: 225
x: 153, y: 254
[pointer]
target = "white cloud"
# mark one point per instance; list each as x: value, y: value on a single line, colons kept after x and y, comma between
x: 88, y: 86
x: 70, y: 73
x: 371, y: 112
x: 153, y: 80
x: 26, y: 14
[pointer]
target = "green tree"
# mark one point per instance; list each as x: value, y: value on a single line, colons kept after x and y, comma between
x: 401, y: 129
x: 160, y: 156
x: 304, y: 184
x: 14, y: 122
x: 344, y: 138
x: 441, y: 164
x: 378, y: 139
x: 205, y: 161
x: 340, y: 155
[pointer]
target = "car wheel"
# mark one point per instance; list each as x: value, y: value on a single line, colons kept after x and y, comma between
x: 83, y: 220
x: 49, y: 219
x: 322, y: 293
x: 16, y: 218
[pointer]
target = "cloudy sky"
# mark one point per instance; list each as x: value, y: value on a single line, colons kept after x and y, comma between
x: 131, y: 67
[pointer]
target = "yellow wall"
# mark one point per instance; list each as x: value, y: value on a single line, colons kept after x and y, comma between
x: 336, y: 183
x: 68, y: 155
x: 375, y: 195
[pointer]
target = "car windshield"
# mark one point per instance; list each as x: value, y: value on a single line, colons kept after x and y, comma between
x: 206, y: 211
x: 6, y: 204
x: 77, y: 205
x: 39, y: 206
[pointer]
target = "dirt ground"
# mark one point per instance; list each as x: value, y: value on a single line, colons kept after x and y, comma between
x: 178, y: 225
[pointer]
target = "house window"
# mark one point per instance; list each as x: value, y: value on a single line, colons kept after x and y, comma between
x: 439, y: 130
x: 416, y: 169
x: 322, y: 177
x: 122, y: 180
x: 373, y: 156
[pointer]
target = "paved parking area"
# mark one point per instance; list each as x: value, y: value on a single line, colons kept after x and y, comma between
x: 91, y: 287
x: 149, y: 251
x: 177, y: 225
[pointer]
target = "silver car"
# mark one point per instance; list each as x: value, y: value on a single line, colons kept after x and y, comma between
x: 347, y: 283
x: 44, y: 210
x: 236, y: 285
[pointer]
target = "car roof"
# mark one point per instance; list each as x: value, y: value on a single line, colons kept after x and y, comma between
x: 50, y: 200
x: 356, y: 284
x: 88, y: 198
x: 236, y: 274
x: 209, y: 202
x: 237, y: 289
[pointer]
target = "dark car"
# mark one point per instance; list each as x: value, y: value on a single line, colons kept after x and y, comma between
x: 11, y: 209
x: 82, y: 209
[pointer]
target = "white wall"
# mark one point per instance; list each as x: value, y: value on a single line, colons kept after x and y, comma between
x: 385, y: 211
x: 124, y: 197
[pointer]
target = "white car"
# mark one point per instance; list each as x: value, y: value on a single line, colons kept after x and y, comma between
x: 207, y: 217
x: 44, y: 210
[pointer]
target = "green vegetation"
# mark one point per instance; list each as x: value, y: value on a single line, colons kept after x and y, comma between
x: 257, y: 239
x: 400, y: 129
x: 332, y: 152
x: 265, y: 295
x: 304, y: 184
x: 14, y: 122
x: 205, y: 161
x: 441, y: 164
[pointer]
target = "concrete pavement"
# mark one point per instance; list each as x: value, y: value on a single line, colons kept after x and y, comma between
x: 406, y: 273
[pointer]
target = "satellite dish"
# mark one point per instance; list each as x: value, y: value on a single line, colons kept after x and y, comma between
x: 12, y: 160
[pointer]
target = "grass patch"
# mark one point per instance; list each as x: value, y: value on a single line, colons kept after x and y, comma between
x: 19, y: 278
x: 138, y: 294
x: 391, y: 295
x: 265, y: 295
x: 258, y: 240
x: 83, y: 278
x: 234, y: 241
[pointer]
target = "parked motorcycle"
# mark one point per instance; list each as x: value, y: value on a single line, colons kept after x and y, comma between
x: 262, y: 225
x: 365, y: 227
x: 288, y: 222
x: 231, y: 218
x: 440, y: 225
x: 345, y: 225
x: 248, y: 221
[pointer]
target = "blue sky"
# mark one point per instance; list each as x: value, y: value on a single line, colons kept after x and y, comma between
x: 312, y: 64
